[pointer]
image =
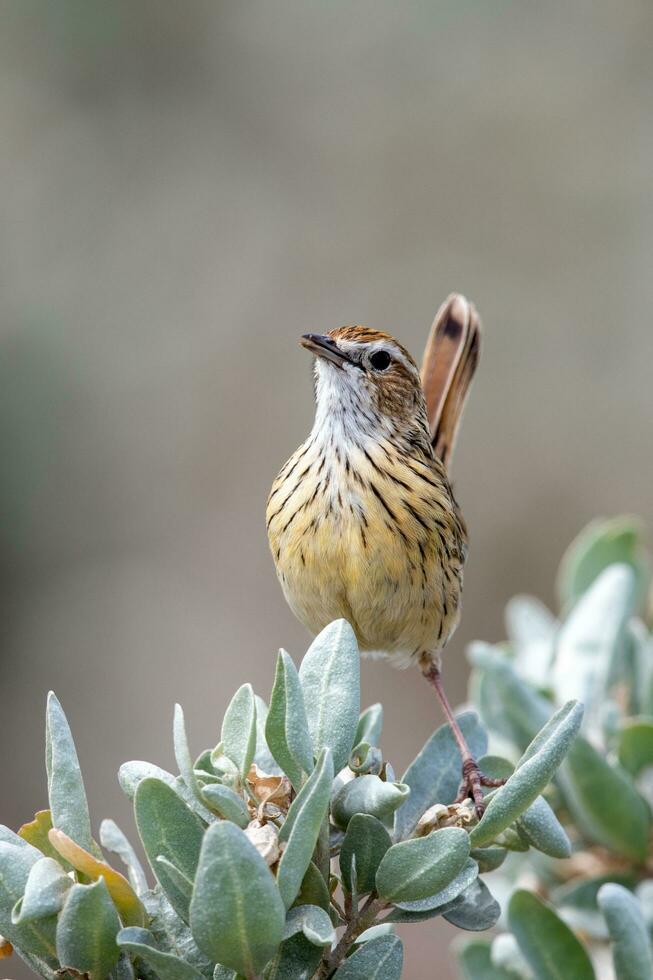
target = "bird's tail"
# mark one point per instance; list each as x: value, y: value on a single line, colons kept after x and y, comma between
x: 450, y: 360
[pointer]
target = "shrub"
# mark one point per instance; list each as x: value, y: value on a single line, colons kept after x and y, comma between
x: 600, y: 651
x: 289, y: 850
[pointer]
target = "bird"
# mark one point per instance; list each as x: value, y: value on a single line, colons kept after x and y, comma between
x: 362, y: 520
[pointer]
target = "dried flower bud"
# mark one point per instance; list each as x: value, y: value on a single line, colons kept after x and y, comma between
x: 265, y: 839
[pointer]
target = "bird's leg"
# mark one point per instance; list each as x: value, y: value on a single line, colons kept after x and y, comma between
x: 473, y: 779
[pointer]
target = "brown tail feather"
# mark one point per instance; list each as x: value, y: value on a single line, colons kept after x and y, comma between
x: 448, y: 366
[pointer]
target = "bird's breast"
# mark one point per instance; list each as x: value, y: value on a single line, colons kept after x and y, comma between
x: 362, y: 534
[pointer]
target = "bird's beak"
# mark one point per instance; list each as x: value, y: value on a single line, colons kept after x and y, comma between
x: 323, y: 346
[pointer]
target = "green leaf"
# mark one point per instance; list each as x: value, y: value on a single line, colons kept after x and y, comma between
x: 286, y: 728
x: 549, y: 946
x: 617, y: 540
x: 533, y: 772
x: 313, y: 922
x: 434, y: 775
x: 185, y: 763
x: 296, y: 959
x: 488, y: 858
x: 17, y: 858
x: 370, y: 725
x: 475, y: 958
x: 86, y: 931
x: 367, y: 840
x: 237, y: 916
x: 588, y: 642
x: 227, y: 804
x: 239, y: 729
x: 142, y: 943
x: 113, y: 839
x: 45, y: 891
x: 540, y: 826
x: 636, y: 745
x: 475, y: 909
x: 313, y: 889
x: 605, y: 801
x: 169, y: 828
x: 301, y: 827
x: 449, y: 893
x: 68, y: 804
x: 263, y: 757
x: 507, y: 704
x: 370, y: 795
x: 631, y: 950
x: 418, y: 868
x: 507, y: 955
x: 330, y: 679
x: 379, y: 959
x: 531, y: 629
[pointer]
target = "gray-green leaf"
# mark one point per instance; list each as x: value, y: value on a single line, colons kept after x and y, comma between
x: 142, y: 943
x: 330, y: 679
x: 225, y: 802
x: 168, y: 828
x: 313, y: 922
x: 434, y: 775
x: 301, y: 827
x: 367, y: 794
x: 45, y: 892
x: 367, y: 840
x: 286, y: 728
x: 17, y: 858
x: 475, y: 958
x: 416, y: 869
x: 604, y: 799
x: 239, y: 729
x: 379, y: 959
x: 475, y: 909
x: 237, y: 916
x: 549, y: 946
x: 86, y: 931
x: 113, y: 839
x: 370, y: 725
x: 533, y: 772
x: 631, y: 950
x: 68, y: 804
x: 541, y: 828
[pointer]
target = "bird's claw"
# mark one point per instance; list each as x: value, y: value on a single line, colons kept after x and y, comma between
x: 472, y: 785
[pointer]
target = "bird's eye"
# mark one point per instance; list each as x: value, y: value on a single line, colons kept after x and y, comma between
x: 380, y: 360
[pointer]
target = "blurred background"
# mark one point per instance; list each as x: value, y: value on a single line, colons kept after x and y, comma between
x: 186, y: 188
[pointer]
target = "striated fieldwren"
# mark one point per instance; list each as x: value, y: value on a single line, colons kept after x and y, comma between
x: 362, y: 521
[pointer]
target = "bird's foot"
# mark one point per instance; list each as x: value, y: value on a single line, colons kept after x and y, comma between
x: 472, y: 785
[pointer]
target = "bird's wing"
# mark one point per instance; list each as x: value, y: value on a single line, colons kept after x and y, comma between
x: 448, y: 366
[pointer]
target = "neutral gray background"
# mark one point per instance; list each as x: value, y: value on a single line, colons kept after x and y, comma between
x: 185, y: 188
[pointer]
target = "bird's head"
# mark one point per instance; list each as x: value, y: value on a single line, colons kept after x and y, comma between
x: 367, y: 385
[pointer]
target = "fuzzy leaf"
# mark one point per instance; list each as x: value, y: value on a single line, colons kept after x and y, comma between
x: 226, y: 803
x: 531, y: 629
x: 379, y: 959
x: 237, y: 916
x: 183, y: 757
x: 142, y: 943
x: 170, y: 828
x: 367, y: 840
x: 263, y: 757
x: 86, y: 931
x: 301, y: 827
x: 68, y: 804
x: 434, y: 775
x: 604, y: 798
x: 239, y: 729
x: 367, y: 794
x: 370, y: 725
x: 296, y: 959
x: 488, y: 858
x: 121, y: 892
x: 475, y: 909
x: 636, y: 745
x: 602, y: 543
x: 533, y: 772
x: 631, y: 950
x: 313, y: 922
x: 45, y: 892
x: 330, y: 679
x: 541, y: 828
x: 588, y: 640
x: 17, y: 858
x: 549, y: 946
x: 113, y: 839
x: 475, y: 958
x: 286, y: 729
x: 449, y: 893
x: 418, y: 868
x: 36, y: 833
